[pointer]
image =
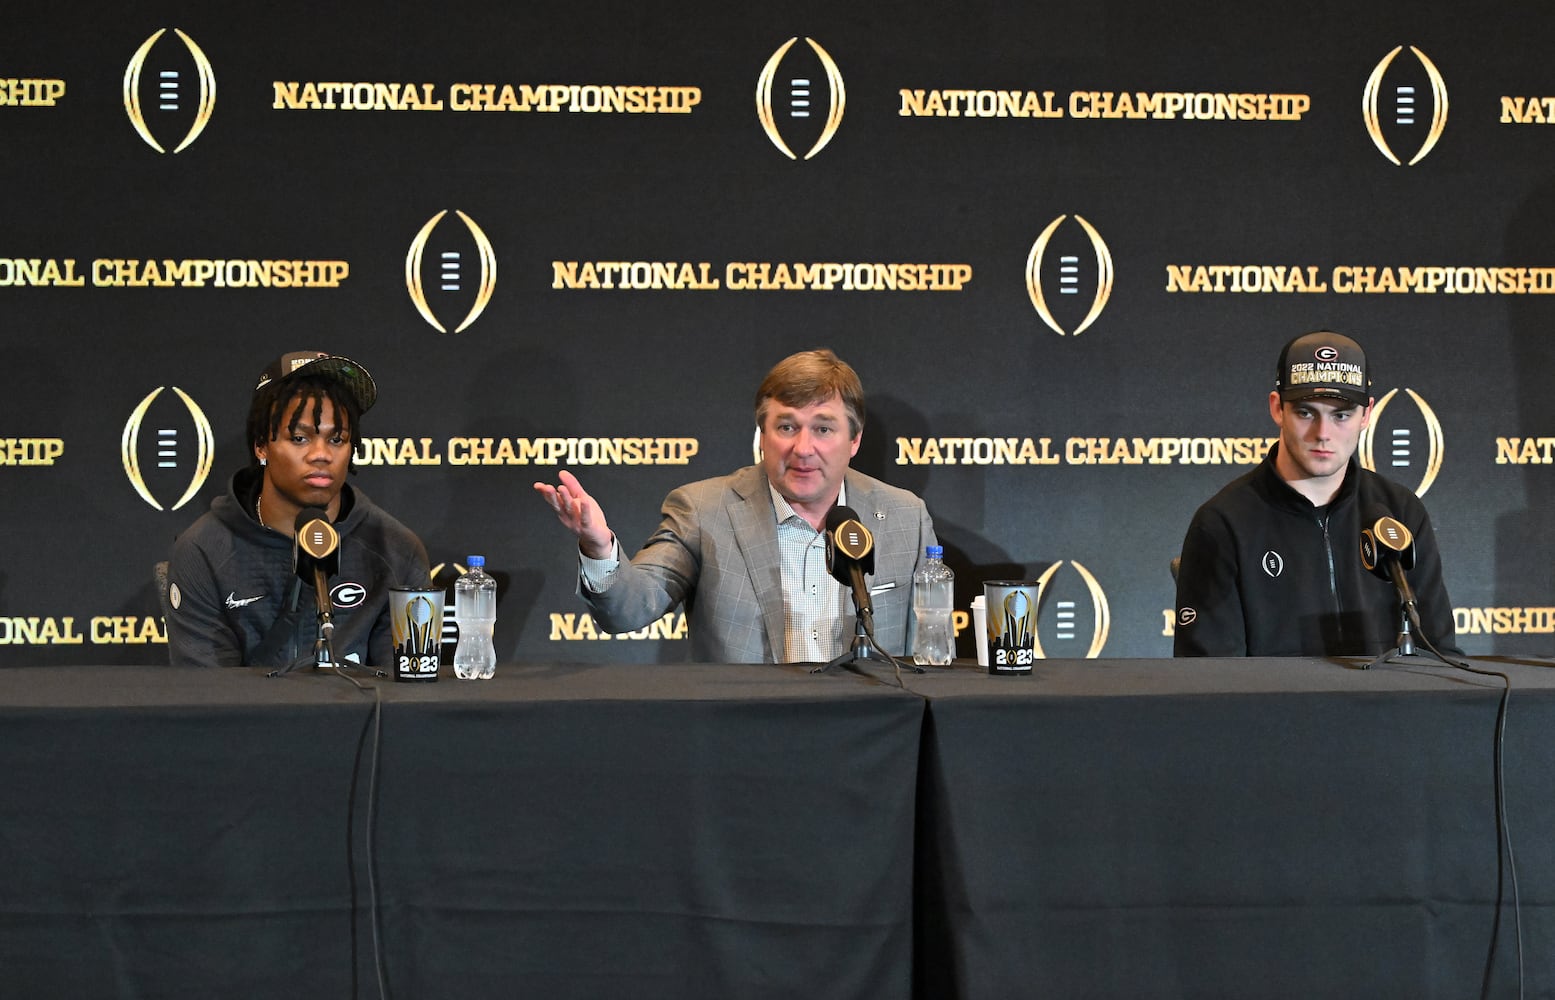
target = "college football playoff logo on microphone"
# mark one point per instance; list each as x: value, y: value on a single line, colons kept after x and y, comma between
x: 1386, y: 538
x: 465, y: 272
x: 171, y: 87
x: 1069, y: 276
x: 788, y: 99
x: 1410, y: 443
x: 1071, y: 618
x: 1407, y: 101
x: 175, y: 458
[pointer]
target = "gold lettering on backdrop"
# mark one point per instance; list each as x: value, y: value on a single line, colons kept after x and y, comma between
x: 1346, y: 279
x: 38, y: 631
x: 1188, y: 106
x: 576, y: 98
x: 1081, y: 451
x: 30, y: 451
x: 40, y: 272
x: 30, y: 93
x: 110, y: 272
x: 395, y: 451
x: 1504, y: 621
x: 1528, y: 110
x: 1525, y: 451
x: 572, y: 451
x: 758, y: 276
x: 633, y: 275
x: 979, y: 104
x: 575, y: 627
x: 309, y: 95
x: 127, y: 630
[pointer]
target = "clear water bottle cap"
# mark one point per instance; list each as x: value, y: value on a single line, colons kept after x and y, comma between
x: 474, y: 562
x: 935, y: 551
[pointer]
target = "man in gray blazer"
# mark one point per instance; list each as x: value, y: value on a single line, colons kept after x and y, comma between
x: 745, y: 553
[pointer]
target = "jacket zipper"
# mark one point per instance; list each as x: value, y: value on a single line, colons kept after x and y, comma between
x: 1333, y: 579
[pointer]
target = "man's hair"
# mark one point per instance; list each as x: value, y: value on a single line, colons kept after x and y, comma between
x: 809, y: 377
x: 270, y: 403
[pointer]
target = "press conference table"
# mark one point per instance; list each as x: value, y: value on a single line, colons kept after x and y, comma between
x: 1125, y: 828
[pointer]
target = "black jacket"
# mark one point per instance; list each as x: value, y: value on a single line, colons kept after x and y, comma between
x: 1265, y: 573
x: 236, y: 601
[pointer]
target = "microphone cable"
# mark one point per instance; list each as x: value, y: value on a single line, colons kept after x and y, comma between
x: 370, y: 859
x: 1506, y: 871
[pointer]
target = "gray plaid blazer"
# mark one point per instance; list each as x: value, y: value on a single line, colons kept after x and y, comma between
x: 715, y: 552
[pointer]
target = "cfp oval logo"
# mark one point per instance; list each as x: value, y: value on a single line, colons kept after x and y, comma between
x: 1056, y: 278
x: 178, y: 460
x: 1394, y: 104
x: 1411, y: 443
x: 453, y: 286
x: 184, y: 92
x: 1062, y: 614
x: 787, y: 93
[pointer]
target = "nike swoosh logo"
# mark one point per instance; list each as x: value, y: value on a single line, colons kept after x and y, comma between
x: 233, y: 601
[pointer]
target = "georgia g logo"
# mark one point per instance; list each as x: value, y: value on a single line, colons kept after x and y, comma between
x: 1400, y: 110
x: 347, y: 594
x: 1061, y: 264
x: 453, y: 286
x: 178, y: 460
x: 184, y: 94
x: 795, y: 103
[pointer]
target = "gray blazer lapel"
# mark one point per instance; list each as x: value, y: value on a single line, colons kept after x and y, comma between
x: 755, y: 530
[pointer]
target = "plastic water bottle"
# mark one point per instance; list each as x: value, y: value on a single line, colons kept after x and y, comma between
x: 932, y: 597
x: 475, y: 608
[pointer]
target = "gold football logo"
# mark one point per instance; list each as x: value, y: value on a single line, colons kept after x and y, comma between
x: 167, y: 448
x: 1402, y: 449
x: 485, y: 286
x: 1070, y: 278
x: 205, y: 105
x: 1101, y: 613
x: 1404, y: 104
x: 799, y: 98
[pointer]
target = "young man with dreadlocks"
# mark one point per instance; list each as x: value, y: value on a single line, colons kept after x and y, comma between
x: 234, y: 596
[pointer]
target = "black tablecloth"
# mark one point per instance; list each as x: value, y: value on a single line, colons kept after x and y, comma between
x: 1129, y: 828
x: 1238, y: 828
x: 626, y: 831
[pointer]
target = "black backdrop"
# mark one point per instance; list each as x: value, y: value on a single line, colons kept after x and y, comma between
x: 1169, y: 365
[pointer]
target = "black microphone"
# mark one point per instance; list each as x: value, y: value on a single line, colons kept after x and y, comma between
x: 850, y: 553
x: 1387, y: 550
x: 316, y: 557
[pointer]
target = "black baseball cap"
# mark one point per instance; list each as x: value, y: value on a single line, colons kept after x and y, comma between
x: 348, y: 373
x: 1323, y: 365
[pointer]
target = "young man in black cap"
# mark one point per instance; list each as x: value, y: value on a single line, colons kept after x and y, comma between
x: 235, y: 598
x: 1271, y: 564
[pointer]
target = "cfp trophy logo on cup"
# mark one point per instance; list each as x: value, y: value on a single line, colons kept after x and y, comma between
x: 1411, y: 443
x: 416, y: 624
x: 453, y: 286
x: 174, y: 90
x: 1056, y: 277
x: 790, y: 97
x: 178, y: 459
x: 1393, y: 103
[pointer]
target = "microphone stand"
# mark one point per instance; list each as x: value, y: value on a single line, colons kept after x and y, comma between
x: 864, y: 648
x: 1404, y: 651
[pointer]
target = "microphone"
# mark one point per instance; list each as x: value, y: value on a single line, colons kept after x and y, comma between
x: 1387, y: 550
x: 316, y: 557
x: 850, y: 553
